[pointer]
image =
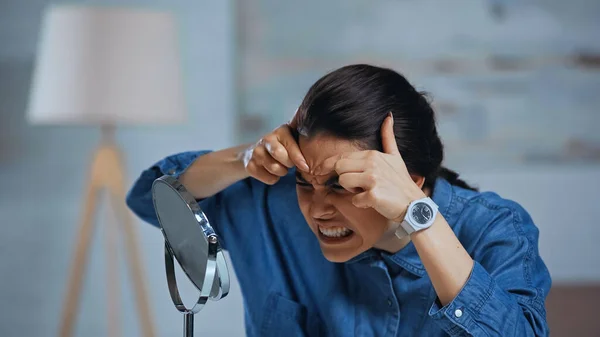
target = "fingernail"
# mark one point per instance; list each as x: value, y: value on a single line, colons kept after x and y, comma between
x: 304, y: 166
x: 391, y: 115
x: 268, y: 147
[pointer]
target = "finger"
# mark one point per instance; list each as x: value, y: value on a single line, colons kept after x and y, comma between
x: 346, y: 165
x: 387, y: 136
x: 354, y: 181
x: 278, y: 152
x: 330, y: 164
x: 327, y: 166
x: 286, y: 139
x: 259, y: 152
x: 259, y: 172
x: 364, y: 200
x: 274, y: 167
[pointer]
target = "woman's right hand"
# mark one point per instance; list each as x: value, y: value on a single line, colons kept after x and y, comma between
x: 272, y: 156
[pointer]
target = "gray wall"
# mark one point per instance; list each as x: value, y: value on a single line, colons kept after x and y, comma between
x: 43, y: 171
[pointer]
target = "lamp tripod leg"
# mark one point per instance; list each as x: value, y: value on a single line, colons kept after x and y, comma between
x: 71, y: 304
x: 135, y: 262
x: 112, y: 275
x: 107, y: 172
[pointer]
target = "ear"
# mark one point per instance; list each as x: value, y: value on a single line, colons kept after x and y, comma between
x: 420, y: 181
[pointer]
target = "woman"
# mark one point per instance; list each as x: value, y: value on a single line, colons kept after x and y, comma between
x: 344, y: 222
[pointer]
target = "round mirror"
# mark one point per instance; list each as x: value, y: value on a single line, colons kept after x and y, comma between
x: 189, y: 239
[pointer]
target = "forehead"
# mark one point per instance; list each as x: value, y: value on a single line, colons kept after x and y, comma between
x: 320, y: 147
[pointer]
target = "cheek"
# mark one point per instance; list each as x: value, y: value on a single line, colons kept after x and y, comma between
x: 367, y: 222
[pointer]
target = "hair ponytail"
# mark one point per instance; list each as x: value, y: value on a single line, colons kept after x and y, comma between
x: 453, y: 178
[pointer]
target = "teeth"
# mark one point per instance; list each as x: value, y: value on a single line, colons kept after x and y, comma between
x: 335, y: 232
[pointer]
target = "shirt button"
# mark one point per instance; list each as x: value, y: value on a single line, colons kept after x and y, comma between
x: 171, y: 171
x: 389, y: 302
x: 458, y: 313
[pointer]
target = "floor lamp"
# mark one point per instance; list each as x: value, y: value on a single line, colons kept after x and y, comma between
x: 108, y: 67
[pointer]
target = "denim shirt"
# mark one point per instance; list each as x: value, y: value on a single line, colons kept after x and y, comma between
x: 290, y: 289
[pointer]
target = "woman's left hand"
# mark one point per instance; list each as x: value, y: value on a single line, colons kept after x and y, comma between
x: 380, y: 179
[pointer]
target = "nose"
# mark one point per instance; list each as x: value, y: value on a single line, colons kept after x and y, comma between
x: 320, y: 206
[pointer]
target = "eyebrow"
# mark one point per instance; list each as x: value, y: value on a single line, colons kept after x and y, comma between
x: 300, y: 177
x: 331, y: 181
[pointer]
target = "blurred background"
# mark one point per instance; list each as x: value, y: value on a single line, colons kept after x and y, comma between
x: 516, y: 85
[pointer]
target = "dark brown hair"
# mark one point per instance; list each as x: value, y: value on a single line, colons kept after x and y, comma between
x: 353, y: 101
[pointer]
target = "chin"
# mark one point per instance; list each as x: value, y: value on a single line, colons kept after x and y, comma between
x: 339, y: 256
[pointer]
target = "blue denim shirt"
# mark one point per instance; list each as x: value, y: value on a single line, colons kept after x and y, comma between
x: 290, y: 289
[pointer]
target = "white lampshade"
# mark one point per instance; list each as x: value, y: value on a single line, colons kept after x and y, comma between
x: 106, y: 65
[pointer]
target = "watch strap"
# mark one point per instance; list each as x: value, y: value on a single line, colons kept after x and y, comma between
x: 400, y: 231
x: 407, y: 227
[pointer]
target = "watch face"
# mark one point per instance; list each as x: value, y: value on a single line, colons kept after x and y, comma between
x: 422, y: 213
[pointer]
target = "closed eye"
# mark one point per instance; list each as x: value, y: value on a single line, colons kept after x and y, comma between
x: 332, y: 184
x: 303, y: 184
x: 300, y: 181
x: 339, y: 189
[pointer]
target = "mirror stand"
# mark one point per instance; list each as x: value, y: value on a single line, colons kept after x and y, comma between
x: 188, y: 314
x: 191, y: 240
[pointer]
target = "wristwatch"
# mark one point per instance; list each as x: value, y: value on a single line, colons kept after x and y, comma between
x: 420, y: 215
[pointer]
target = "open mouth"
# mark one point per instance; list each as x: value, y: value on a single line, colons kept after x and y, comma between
x: 335, y: 234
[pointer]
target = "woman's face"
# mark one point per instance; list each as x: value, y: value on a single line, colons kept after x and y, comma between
x: 343, y: 230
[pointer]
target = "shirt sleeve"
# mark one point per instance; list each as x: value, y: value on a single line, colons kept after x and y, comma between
x: 506, y: 290
x: 139, y: 197
x: 218, y: 208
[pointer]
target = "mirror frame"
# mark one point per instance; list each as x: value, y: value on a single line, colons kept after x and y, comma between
x: 216, y: 278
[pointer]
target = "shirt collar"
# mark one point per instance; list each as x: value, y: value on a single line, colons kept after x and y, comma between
x: 443, y: 196
x: 407, y: 257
